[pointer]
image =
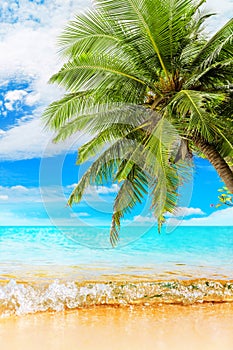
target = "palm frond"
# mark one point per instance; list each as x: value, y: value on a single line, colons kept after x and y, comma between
x: 89, y: 71
x: 59, y: 112
x: 158, y: 29
x: 218, y: 48
x: 135, y: 13
x: 215, y: 70
x: 104, y: 137
x: 132, y: 191
x: 89, y: 31
x: 102, y: 169
x: 158, y: 151
x: 101, y: 117
x: 194, y: 109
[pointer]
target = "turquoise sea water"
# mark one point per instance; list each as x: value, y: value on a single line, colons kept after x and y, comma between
x: 43, y: 268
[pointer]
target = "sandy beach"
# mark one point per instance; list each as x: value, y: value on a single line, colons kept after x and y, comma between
x: 205, y: 326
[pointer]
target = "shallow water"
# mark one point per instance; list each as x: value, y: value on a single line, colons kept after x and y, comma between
x: 45, y: 268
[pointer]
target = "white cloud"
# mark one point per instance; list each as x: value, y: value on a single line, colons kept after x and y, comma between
x: 144, y: 219
x: 32, y: 98
x: 4, y: 197
x: 223, y: 217
x: 223, y: 12
x: 172, y: 220
x: 180, y: 212
x: 29, y: 140
x: 10, y: 218
x: 71, y: 186
x: 185, y: 211
x: 79, y: 215
x: 12, y: 96
x: 103, y: 189
x: 22, y: 194
x: 15, y: 97
x: 93, y: 190
x: 28, y: 37
x: 19, y: 188
x: 18, y: 193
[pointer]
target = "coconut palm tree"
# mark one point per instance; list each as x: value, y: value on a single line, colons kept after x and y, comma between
x: 150, y: 89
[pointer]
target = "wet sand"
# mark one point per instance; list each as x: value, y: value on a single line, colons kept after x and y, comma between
x: 205, y: 326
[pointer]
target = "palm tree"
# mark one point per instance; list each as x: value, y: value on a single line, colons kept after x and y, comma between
x: 148, y: 87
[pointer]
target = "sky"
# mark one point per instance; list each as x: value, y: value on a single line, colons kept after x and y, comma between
x: 36, y: 176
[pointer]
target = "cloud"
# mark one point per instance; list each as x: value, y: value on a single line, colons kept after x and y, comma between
x: 10, y: 218
x: 47, y: 194
x: 22, y: 194
x: 223, y: 217
x: 4, y: 197
x: 16, y: 98
x: 149, y: 219
x: 114, y: 188
x: 184, y: 211
x: 79, y: 215
x: 32, y: 98
x: 19, y: 188
x: 180, y: 212
x: 144, y: 219
x: 93, y: 190
x: 29, y: 140
x: 28, y: 37
x: 223, y: 12
x: 13, y: 96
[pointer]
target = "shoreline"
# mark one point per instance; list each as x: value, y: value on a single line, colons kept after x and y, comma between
x: 161, y: 327
x: 21, y: 298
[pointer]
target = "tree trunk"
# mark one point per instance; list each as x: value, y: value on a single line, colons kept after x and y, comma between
x: 217, y: 161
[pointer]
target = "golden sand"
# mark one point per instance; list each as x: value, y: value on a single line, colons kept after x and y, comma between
x: 203, y: 327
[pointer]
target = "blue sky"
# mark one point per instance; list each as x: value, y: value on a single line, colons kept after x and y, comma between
x: 36, y: 175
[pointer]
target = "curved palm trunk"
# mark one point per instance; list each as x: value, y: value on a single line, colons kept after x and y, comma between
x: 222, y: 168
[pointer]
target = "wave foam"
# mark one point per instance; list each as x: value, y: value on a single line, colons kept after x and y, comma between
x: 23, y: 298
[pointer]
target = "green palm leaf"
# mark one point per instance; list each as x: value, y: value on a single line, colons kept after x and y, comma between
x: 192, y: 108
x: 132, y: 191
x: 219, y: 47
x: 90, y: 31
x: 96, y: 72
x: 59, y: 112
x: 159, y: 151
x: 102, y: 169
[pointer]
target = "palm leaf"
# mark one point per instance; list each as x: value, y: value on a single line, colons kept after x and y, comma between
x: 158, y: 152
x: 89, y: 31
x: 217, y: 48
x: 102, y: 169
x: 101, y: 117
x: 135, y: 14
x: 216, y: 69
x: 61, y: 111
x: 158, y: 29
x: 194, y: 109
x: 105, y: 137
x: 89, y: 72
x: 131, y: 192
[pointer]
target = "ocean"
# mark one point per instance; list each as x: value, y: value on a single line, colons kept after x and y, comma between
x: 49, y: 268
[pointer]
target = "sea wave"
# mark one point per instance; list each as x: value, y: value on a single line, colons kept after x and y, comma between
x: 18, y: 298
